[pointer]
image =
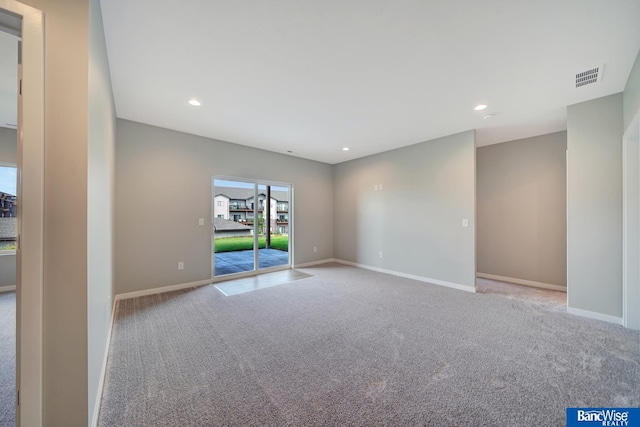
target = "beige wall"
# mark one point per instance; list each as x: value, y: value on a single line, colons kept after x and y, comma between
x: 164, y: 184
x: 416, y: 220
x: 78, y: 115
x: 65, y: 206
x: 521, y: 209
x: 594, y: 206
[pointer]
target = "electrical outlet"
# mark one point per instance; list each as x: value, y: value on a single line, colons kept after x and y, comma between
x: 180, y: 265
x: 465, y: 222
x: 200, y: 221
x: 315, y: 249
x: 381, y: 254
x: 375, y: 187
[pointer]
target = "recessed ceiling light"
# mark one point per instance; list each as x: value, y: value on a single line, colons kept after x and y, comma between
x: 194, y: 102
x: 480, y: 107
x: 345, y: 149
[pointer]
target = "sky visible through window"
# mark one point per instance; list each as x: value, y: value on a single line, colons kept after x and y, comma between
x: 240, y: 184
x: 8, y: 180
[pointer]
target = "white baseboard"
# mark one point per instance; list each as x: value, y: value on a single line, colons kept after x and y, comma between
x: 410, y: 276
x: 8, y: 288
x: 312, y: 263
x: 162, y: 290
x: 522, y: 282
x: 103, y: 373
x: 594, y: 315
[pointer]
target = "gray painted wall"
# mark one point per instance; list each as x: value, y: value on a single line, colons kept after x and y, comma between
x: 8, y: 145
x: 631, y: 97
x: 594, y: 205
x: 416, y: 220
x: 100, y: 202
x: 163, y: 185
x: 7, y: 270
x: 522, y: 219
x: 631, y: 107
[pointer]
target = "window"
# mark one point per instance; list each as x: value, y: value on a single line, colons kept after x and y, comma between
x: 220, y: 203
x: 8, y: 182
x: 221, y: 216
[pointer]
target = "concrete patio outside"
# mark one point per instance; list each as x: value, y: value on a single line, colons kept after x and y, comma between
x: 242, y: 261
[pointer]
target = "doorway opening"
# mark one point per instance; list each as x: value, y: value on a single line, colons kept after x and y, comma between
x: 521, y: 225
x: 9, y: 45
x: 26, y: 24
x: 252, y: 231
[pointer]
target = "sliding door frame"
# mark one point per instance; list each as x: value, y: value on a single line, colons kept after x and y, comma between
x: 256, y: 209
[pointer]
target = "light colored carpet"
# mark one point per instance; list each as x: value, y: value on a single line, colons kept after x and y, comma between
x: 554, y: 300
x: 355, y: 347
x: 7, y: 358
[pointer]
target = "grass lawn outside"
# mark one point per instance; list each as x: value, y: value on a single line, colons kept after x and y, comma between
x: 8, y: 246
x: 228, y: 244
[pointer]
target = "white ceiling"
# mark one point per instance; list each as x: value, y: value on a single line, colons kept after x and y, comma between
x: 8, y: 80
x: 315, y: 76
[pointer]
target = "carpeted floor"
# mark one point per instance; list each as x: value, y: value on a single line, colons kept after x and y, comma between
x: 7, y: 358
x: 555, y: 300
x: 355, y: 347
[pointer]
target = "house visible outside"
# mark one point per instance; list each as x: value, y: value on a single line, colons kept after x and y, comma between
x: 8, y: 207
x: 7, y: 233
x: 225, y: 228
x: 237, y: 205
x: 234, y: 213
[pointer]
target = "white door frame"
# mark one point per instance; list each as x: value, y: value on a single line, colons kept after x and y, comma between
x: 631, y: 225
x: 29, y: 252
x: 256, y: 270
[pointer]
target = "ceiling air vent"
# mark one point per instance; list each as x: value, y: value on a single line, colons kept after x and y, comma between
x: 592, y: 75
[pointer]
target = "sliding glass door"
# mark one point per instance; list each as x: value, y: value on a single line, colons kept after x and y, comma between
x: 251, y: 228
x: 273, y: 226
x: 233, y: 231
